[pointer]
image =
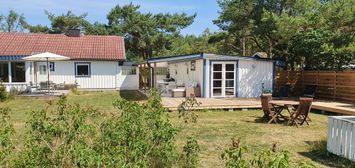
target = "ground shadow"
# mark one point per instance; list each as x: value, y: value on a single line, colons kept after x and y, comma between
x: 132, y: 95
x: 261, y: 120
x: 318, y: 153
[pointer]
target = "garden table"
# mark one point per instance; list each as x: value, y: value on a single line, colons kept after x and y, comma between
x: 280, y: 105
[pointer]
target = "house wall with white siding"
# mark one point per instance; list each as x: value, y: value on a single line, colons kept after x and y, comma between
x: 251, y: 76
x: 103, y: 75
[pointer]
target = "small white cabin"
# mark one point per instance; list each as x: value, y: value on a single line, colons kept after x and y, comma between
x: 96, y: 62
x: 217, y: 76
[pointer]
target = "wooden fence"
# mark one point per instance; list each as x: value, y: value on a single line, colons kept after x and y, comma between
x: 330, y: 84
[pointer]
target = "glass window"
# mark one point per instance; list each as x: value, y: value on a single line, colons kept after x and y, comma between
x: 229, y: 75
x: 4, y: 72
x: 193, y: 65
x: 82, y: 70
x: 18, y: 72
x: 217, y: 75
x: 51, y: 66
x: 42, y: 69
x: 161, y: 71
x: 129, y: 70
x: 217, y: 67
x: 229, y: 67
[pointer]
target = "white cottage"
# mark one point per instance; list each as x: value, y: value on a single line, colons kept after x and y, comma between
x: 96, y: 62
x: 218, y: 75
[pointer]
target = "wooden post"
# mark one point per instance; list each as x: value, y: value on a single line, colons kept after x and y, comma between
x: 154, y: 74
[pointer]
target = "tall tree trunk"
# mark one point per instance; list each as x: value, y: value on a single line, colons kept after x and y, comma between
x: 242, y: 42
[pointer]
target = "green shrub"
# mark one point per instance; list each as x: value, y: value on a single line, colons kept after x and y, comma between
x: 269, y: 158
x: 138, y: 135
x: 185, y: 109
x: 3, y: 93
x: 6, y: 133
x: 191, y: 151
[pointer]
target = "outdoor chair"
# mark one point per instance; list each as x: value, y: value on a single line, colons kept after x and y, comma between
x: 309, y: 91
x: 300, y: 116
x: 285, y: 91
x: 268, y: 110
x: 46, y: 85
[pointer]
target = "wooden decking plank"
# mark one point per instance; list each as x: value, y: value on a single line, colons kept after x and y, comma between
x: 238, y: 103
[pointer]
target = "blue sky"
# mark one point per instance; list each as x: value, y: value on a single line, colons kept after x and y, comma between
x: 206, y: 10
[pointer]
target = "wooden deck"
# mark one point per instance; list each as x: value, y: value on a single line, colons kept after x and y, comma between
x: 238, y: 103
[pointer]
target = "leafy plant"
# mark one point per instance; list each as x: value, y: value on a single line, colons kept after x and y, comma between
x: 3, y: 93
x: 185, y: 109
x: 233, y: 155
x: 142, y: 136
x: 271, y: 158
x: 63, y: 137
x: 6, y: 132
x: 191, y: 151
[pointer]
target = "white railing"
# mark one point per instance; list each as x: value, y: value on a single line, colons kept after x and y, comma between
x: 341, y: 136
x: 16, y: 86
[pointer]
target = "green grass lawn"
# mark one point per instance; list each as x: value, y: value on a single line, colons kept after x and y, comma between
x: 213, y: 130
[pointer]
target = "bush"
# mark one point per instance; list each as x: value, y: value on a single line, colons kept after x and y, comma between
x: 269, y: 158
x: 138, y: 135
x: 191, y: 151
x: 3, y: 93
x: 6, y: 132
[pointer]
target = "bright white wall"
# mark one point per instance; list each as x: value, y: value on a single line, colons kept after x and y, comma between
x: 104, y: 75
x: 251, y: 75
x: 128, y: 82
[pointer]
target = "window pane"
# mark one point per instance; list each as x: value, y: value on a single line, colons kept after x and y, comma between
x: 217, y: 83
x: 42, y: 69
x: 18, y: 72
x: 4, y: 72
x: 230, y: 83
x: 229, y: 91
x: 217, y: 75
x: 230, y: 75
x: 229, y: 67
x: 83, y: 70
x: 217, y: 67
x: 158, y: 70
x: 217, y: 92
x: 128, y: 70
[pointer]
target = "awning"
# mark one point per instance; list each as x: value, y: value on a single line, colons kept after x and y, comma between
x: 12, y: 58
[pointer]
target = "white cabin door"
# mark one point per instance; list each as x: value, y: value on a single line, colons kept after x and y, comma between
x: 41, y: 71
x: 223, y: 79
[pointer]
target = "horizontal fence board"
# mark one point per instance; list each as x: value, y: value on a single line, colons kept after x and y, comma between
x: 330, y: 84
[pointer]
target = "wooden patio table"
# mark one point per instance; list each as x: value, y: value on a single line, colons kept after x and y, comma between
x: 280, y: 105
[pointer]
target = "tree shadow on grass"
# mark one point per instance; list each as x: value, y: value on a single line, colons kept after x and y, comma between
x: 261, y: 120
x: 132, y: 95
x: 318, y: 153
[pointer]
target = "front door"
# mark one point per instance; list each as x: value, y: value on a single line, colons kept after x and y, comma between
x: 223, y: 79
x: 41, y: 72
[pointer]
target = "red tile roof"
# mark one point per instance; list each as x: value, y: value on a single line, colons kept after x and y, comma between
x: 84, y: 47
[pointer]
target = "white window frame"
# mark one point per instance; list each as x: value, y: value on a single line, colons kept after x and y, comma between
x: 76, y: 64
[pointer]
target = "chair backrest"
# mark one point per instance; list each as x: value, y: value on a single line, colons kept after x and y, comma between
x: 305, y: 106
x: 310, y: 90
x: 285, y: 90
x: 265, y: 99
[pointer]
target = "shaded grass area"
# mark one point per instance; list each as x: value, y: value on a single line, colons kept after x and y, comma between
x: 213, y: 130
